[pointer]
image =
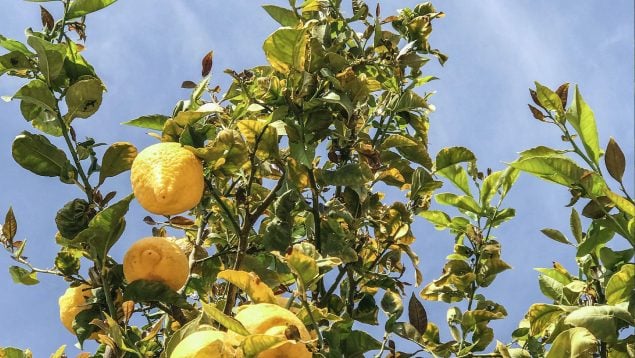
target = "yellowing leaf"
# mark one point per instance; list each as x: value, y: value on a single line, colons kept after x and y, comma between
x: 620, y: 285
x: 249, y: 282
x: 285, y: 49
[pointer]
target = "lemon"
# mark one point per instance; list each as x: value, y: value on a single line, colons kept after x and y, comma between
x: 167, y: 179
x: 273, y: 320
x: 156, y: 259
x: 72, y: 302
x: 203, y: 344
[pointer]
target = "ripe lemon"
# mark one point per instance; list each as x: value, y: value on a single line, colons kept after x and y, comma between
x: 204, y: 344
x: 72, y: 302
x: 156, y: 259
x: 273, y: 320
x: 167, y: 179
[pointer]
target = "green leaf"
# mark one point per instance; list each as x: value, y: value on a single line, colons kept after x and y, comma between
x: 286, y: 49
x: 283, y: 16
x: 556, y: 235
x: 391, y: 303
x: 352, y: 174
x: 67, y: 262
x: 409, y: 101
x: 602, y: 321
x: 358, y: 342
x: 458, y: 176
x: 548, y: 99
x: 105, y: 228
x: 14, y: 61
x: 254, y: 344
x: 11, y: 352
x: 83, y: 98
x: 41, y: 118
x: 50, y: 57
x: 20, y: 275
x: 153, y: 291
x: 153, y: 121
x: 278, y: 232
x: 621, y: 285
x: 614, y: 160
x: 35, y: 153
x: 82, y: 7
x: 489, y: 187
x: 174, y: 339
x: 453, y: 155
x: 37, y: 93
x: 117, y: 159
x: 576, y: 225
x: 576, y: 342
x: 582, y: 119
x: 462, y: 202
x: 559, y: 170
x: 341, y: 99
x: 440, y: 219
x: 303, y: 266
x: 13, y: 45
x: 73, y: 218
x: 226, y: 321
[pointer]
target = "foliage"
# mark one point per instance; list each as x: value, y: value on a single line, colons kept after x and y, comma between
x: 295, y: 153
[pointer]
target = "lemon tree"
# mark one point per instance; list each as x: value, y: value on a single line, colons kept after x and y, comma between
x: 270, y: 236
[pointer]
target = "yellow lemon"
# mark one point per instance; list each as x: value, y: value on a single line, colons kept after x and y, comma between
x: 156, y: 259
x: 72, y: 302
x: 273, y: 320
x: 204, y: 344
x: 167, y: 179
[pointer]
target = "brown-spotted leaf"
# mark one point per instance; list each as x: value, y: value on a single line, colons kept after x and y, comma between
x: 536, y: 113
x: 207, y: 63
x: 181, y: 220
x: 417, y: 315
x: 563, y: 93
x: 10, y: 226
x: 615, y: 160
x: 47, y: 19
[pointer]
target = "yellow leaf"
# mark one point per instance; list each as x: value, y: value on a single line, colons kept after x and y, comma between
x: 249, y: 282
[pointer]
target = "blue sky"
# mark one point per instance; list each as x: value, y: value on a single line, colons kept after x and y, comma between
x: 144, y: 49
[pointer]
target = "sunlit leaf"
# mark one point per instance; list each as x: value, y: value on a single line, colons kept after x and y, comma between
x: 620, y: 285
x: 257, y: 290
x: 282, y: 15
x: 582, y: 119
x: 286, y: 49
x: 254, y: 344
x: 23, y: 276
x: 602, y: 321
x: 154, y: 121
x: 453, y: 155
x: 79, y: 8
x: 226, y: 321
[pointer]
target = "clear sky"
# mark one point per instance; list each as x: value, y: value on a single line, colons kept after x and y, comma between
x: 144, y: 49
